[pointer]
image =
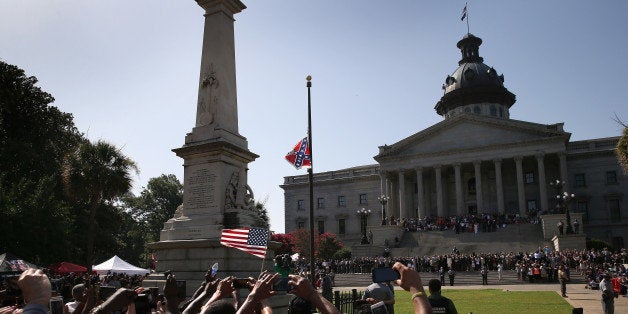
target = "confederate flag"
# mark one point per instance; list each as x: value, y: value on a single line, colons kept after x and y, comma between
x: 300, y: 156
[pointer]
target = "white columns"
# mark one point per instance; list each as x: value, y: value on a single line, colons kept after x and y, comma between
x: 439, y: 192
x: 402, y: 195
x: 520, y: 187
x: 478, y: 186
x: 459, y: 196
x: 500, y: 186
x: 420, y: 192
x: 542, y: 181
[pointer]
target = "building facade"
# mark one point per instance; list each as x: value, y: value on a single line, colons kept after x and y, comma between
x: 477, y: 160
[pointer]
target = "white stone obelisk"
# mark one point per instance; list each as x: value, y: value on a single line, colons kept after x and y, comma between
x: 215, y: 155
x: 215, y: 160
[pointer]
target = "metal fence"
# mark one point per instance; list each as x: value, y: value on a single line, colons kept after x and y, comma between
x: 348, y: 301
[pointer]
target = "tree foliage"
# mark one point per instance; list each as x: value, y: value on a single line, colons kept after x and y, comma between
x: 41, y: 223
x: 622, y: 150
x: 262, y: 214
x: 328, y: 245
x: 95, y: 174
x: 156, y: 204
x: 344, y: 253
x: 325, y: 245
x: 34, y: 137
x: 286, y: 243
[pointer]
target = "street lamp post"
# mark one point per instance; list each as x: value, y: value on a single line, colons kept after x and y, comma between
x: 383, y: 199
x: 364, y: 214
x: 562, y: 202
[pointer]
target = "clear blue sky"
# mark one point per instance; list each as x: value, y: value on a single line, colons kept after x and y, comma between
x: 128, y: 71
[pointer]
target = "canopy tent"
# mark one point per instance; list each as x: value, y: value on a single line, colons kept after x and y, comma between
x: 11, y: 264
x: 118, y: 265
x: 66, y: 268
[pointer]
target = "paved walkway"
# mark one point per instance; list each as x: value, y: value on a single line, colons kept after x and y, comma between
x: 577, y: 295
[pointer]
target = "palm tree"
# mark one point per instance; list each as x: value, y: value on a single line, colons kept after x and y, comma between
x: 96, y: 173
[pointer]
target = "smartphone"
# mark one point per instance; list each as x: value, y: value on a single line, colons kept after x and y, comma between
x: 281, y: 284
x: 379, y: 308
x: 56, y: 305
x: 142, y: 303
x: 241, y: 283
x: 181, y: 286
x: 154, y: 294
x: 106, y: 292
x: 385, y: 274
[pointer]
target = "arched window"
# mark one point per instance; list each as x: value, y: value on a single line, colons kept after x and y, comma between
x: 477, y: 110
x: 493, y: 111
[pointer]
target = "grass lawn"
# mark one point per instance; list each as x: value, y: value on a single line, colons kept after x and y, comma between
x: 494, y: 301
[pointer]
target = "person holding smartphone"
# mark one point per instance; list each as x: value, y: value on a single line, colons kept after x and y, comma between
x: 380, y: 291
x: 411, y: 281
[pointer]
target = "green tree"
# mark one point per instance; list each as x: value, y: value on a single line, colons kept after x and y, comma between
x: 344, y: 253
x: 328, y: 245
x: 325, y: 245
x: 262, y: 214
x: 286, y: 243
x: 34, y: 138
x: 622, y: 150
x: 95, y: 174
x: 156, y: 204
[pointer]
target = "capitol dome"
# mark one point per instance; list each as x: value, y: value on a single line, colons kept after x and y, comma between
x: 474, y: 87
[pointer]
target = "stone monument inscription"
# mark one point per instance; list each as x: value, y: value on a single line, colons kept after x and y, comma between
x: 200, y: 188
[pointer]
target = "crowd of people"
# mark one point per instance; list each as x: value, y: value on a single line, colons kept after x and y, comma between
x: 214, y: 295
x: 545, y: 258
x: 602, y: 269
x: 486, y: 222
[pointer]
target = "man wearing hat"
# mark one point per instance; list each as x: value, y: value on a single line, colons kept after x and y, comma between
x: 608, y: 295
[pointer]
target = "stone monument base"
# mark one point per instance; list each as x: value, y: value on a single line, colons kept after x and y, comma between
x: 190, y: 259
x: 570, y: 241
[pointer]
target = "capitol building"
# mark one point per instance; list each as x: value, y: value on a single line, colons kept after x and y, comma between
x: 477, y: 160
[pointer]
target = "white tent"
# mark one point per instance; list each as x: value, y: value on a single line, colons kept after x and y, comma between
x: 118, y: 265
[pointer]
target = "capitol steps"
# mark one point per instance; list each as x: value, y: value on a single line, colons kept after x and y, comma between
x: 513, y: 238
x: 463, y: 278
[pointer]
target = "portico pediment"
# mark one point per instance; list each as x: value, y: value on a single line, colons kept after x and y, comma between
x: 472, y: 132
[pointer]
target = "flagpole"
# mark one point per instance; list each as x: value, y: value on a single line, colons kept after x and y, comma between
x: 262, y: 269
x: 310, y: 175
x: 466, y: 7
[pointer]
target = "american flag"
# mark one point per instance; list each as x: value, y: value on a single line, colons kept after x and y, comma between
x: 250, y: 240
x: 300, y: 156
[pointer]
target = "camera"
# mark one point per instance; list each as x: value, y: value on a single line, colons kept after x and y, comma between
x: 106, y: 292
x: 284, y: 261
x: 379, y: 308
x: 56, y: 305
x: 142, y: 303
x: 241, y: 283
x: 281, y: 284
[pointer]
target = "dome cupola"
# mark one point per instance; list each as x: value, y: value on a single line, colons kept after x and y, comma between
x: 474, y: 87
